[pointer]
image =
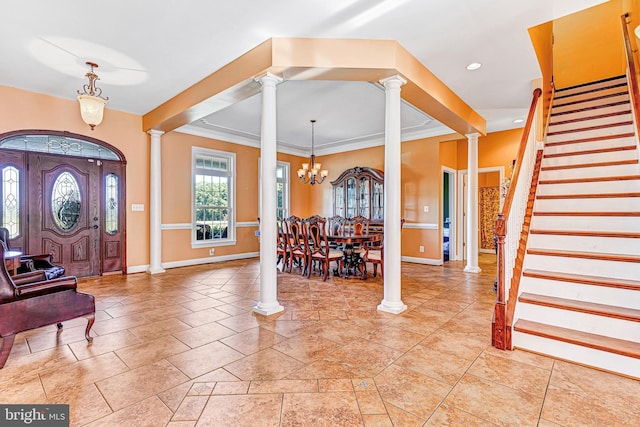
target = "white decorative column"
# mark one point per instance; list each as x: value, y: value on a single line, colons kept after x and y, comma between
x: 392, y: 302
x: 268, y: 303
x: 155, y: 202
x: 472, y: 204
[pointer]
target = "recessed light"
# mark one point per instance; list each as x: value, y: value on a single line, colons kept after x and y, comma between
x: 518, y: 121
x: 474, y: 66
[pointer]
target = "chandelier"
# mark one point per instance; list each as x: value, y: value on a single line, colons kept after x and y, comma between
x: 90, y: 99
x: 311, y: 172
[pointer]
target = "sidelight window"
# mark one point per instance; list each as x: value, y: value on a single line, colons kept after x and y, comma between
x: 11, y: 200
x: 111, y: 203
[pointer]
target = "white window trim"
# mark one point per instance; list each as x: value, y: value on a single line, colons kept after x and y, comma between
x: 231, y: 230
x: 287, y: 202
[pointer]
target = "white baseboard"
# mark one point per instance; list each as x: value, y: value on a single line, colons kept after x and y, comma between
x: 196, y: 261
x: 427, y: 261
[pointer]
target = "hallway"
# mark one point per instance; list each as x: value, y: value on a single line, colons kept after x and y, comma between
x: 183, y: 348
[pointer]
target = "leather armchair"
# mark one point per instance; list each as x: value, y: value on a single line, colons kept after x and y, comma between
x: 29, y: 263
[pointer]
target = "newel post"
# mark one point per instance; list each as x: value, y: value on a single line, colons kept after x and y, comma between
x: 499, y: 335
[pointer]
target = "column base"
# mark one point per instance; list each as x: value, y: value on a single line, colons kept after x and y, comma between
x: 472, y: 269
x: 393, y: 308
x: 155, y: 270
x: 268, y: 309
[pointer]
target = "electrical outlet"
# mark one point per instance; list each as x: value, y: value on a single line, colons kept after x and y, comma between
x: 212, y: 251
x: 421, y: 248
x: 425, y: 208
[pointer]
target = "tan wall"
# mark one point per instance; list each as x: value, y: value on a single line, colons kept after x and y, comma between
x: 588, y: 45
x: 21, y: 109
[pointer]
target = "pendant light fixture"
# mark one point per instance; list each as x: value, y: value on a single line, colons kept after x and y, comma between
x: 90, y: 99
x: 311, y: 173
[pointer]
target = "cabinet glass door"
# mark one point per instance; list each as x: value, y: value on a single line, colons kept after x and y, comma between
x: 363, y: 202
x: 378, y: 201
x: 351, y: 198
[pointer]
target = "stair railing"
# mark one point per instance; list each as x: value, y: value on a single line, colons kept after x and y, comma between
x: 632, y: 75
x: 509, y: 226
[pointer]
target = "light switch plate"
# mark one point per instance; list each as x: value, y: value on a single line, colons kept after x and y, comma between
x: 137, y: 207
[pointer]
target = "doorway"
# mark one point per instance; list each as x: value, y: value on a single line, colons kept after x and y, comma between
x: 487, y: 177
x: 449, y: 222
x: 71, y: 206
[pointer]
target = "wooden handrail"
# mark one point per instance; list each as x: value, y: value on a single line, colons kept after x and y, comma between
x: 635, y: 91
x: 499, y: 334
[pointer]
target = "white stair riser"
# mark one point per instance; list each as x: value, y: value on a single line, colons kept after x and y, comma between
x: 562, y: 107
x: 605, y: 245
x: 599, y: 325
x: 588, y: 267
x: 590, y: 145
x: 592, y: 133
x: 619, y: 204
x: 599, y: 187
x: 627, y: 298
x: 600, y: 121
x: 584, y: 355
x: 621, y: 224
x: 592, y: 88
x: 589, y: 113
x: 591, y: 172
x: 579, y: 159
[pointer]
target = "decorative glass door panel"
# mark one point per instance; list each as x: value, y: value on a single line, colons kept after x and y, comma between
x: 338, y: 200
x: 363, y: 199
x: 378, y: 201
x: 351, y: 198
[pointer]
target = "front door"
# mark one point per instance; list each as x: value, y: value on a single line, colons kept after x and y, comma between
x: 64, y: 214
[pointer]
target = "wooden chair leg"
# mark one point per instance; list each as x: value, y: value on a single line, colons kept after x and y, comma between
x: 91, y: 318
x: 7, y: 344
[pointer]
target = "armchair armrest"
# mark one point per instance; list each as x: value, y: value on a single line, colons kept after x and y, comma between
x: 30, y: 277
x: 46, y: 287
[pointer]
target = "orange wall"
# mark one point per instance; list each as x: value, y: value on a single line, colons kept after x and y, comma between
x: 588, y: 45
x: 542, y: 41
x: 495, y: 149
x: 21, y: 109
x: 176, y: 195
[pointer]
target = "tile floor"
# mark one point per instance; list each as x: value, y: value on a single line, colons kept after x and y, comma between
x: 184, y: 348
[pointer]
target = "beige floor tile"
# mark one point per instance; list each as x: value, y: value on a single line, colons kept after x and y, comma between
x: 252, y: 340
x: 494, y: 402
x: 203, y: 317
x: 265, y: 365
x: 321, y: 409
x: 190, y: 408
x: 447, y: 415
x: 393, y: 337
x: 23, y: 389
x: 414, y: 393
x: 230, y: 387
x: 104, y: 344
x: 148, y: 413
x: 527, y: 378
x: 207, y: 358
x: 86, y: 404
x: 138, y: 384
x: 306, y: 348
x: 284, y: 386
x: 204, y: 334
x: 61, y: 380
x: 242, y: 411
x: 151, y: 351
x: 369, y: 357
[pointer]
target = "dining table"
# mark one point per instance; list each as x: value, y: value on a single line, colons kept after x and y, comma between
x: 353, y: 261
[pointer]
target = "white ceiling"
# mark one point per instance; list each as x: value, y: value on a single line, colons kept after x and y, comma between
x: 151, y: 50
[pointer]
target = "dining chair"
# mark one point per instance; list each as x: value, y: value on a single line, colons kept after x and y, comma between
x: 336, y: 226
x: 317, y: 244
x: 358, y: 226
x: 282, y: 245
x: 375, y: 254
x: 297, y: 249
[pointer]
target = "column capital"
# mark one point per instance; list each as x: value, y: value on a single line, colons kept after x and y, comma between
x: 155, y: 132
x: 472, y: 136
x: 268, y: 78
x: 392, y: 81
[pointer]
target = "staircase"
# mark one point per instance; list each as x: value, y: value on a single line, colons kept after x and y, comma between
x: 579, y: 296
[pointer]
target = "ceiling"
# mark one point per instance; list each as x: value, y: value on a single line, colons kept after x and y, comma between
x: 149, y: 51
